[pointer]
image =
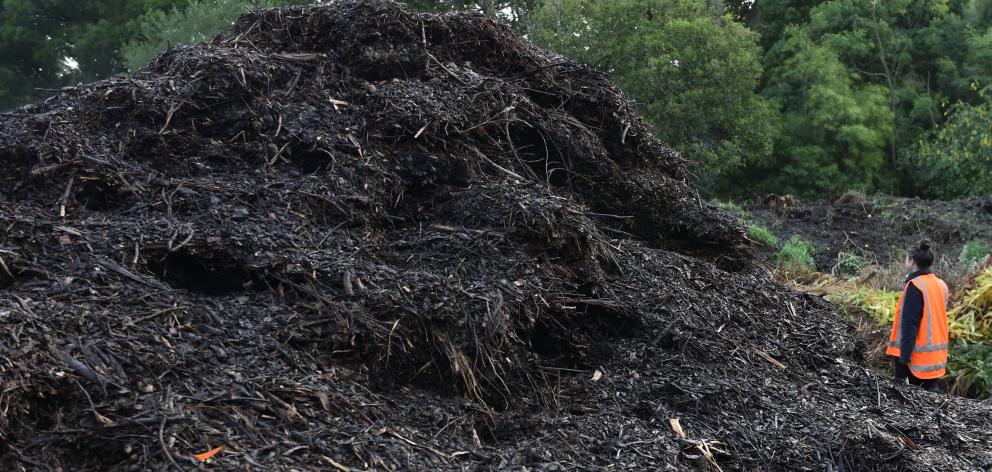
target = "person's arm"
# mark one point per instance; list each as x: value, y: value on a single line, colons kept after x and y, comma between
x: 909, y: 322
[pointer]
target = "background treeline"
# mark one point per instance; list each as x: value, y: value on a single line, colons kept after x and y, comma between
x: 811, y: 97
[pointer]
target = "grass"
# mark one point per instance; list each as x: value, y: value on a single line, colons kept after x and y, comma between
x: 796, y: 253
x: 735, y: 209
x: 762, y: 235
x: 849, y: 264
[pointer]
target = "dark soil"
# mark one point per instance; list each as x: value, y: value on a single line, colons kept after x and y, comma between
x: 880, y: 227
x: 350, y: 237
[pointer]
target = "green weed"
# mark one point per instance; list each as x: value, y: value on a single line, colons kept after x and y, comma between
x: 762, y: 235
x: 880, y: 305
x: 974, y: 251
x: 849, y: 264
x: 796, y: 253
x: 734, y: 209
x: 970, y: 369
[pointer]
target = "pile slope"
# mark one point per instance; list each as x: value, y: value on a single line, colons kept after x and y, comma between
x: 349, y: 237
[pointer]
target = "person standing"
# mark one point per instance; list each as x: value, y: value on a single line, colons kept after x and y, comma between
x: 919, y: 337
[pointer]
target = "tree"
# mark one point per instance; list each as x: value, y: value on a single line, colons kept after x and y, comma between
x: 917, y: 53
x: 834, y: 127
x: 513, y: 12
x: 955, y: 159
x: 693, y: 72
x: 198, y: 21
x: 46, y: 44
x: 769, y: 18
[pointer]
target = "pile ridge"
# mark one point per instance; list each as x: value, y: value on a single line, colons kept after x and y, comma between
x: 354, y: 237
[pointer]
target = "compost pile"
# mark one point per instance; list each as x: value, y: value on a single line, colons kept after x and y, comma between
x: 350, y: 237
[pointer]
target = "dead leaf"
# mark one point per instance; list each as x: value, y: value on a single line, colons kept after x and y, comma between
x: 677, y: 427
x: 909, y: 442
x: 203, y: 456
x: 104, y: 420
x: 325, y: 402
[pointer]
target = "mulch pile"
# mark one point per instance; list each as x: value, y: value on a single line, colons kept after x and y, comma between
x: 350, y: 237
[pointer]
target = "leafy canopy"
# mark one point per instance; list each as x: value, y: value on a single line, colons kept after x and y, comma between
x: 198, y: 21
x: 693, y: 71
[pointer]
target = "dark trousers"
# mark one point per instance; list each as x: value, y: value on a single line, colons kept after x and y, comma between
x: 902, y: 370
x: 927, y: 384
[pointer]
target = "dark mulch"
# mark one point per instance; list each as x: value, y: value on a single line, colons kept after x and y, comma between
x: 353, y: 237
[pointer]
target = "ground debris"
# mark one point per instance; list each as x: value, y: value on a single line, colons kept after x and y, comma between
x: 351, y: 237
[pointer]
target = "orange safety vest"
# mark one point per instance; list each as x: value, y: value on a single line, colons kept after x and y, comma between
x: 929, y: 357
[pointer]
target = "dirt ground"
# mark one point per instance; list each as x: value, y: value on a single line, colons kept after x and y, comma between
x: 352, y: 237
x: 879, y: 228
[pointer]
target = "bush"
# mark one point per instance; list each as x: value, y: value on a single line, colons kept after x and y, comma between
x: 970, y: 370
x: 796, y: 253
x: 849, y: 264
x: 693, y: 73
x: 974, y: 251
x: 953, y: 159
x: 971, y: 316
x: 762, y: 235
x: 880, y: 305
x: 199, y: 21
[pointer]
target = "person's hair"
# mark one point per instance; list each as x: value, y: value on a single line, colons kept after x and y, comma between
x: 921, y: 254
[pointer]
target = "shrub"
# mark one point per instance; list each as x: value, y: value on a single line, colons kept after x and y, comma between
x: 971, y: 316
x: 762, y: 235
x: 880, y: 305
x: 849, y: 264
x: 796, y: 253
x: 952, y: 160
x: 970, y: 369
x: 974, y: 251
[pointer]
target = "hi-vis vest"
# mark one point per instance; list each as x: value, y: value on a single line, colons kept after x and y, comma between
x: 929, y: 357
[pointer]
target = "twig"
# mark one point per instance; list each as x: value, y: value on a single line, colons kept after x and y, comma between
x: 446, y: 69
x: 65, y: 196
x: 165, y: 449
x: 6, y: 269
x: 764, y: 355
x: 507, y: 171
x: 278, y: 154
x: 168, y: 116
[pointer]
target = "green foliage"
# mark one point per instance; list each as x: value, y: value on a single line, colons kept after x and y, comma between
x: 734, y: 209
x: 776, y: 15
x: 859, y: 81
x: 834, y: 130
x: 46, y: 44
x: 512, y: 12
x: 971, y: 317
x: 693, y: 72
x: 955, y: 160
x: 796, y: 253
x: 970, y: 369
x: 762, y: 235
x: 199, y: 21
x: 878, y: 304
x: 849, y: 264
x: 975, y: 251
